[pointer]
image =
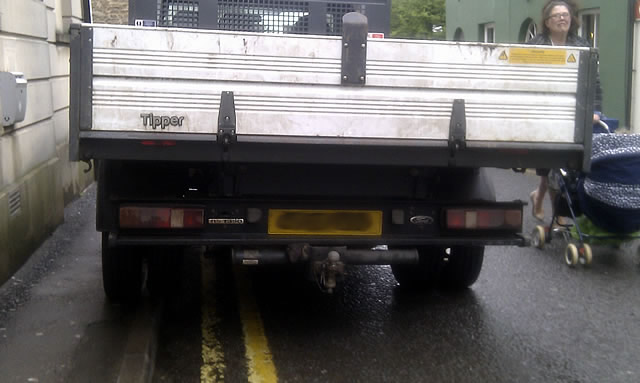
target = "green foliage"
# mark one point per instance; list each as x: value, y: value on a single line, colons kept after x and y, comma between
x: 417, y: 19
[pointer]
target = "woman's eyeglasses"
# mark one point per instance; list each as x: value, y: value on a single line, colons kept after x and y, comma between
x: 558, y: 16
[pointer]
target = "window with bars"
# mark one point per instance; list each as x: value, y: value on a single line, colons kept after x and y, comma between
x: 335, y: 11
x: 178, y: 13
x: 263, y: 16
x: 269, y: 16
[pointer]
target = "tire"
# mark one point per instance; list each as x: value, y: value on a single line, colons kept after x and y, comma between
x: 457, y: 269
x: 463, y: 267
x: 425, y: 274
x: 121, y: 272
x: 585, y: 255
x: 538, y: 237
x: 571, y: 255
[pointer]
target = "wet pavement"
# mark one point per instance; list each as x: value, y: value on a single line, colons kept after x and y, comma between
x: 528, y: 318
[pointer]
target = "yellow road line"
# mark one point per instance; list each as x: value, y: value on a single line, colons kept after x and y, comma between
x: 261, y: 367
x: 212, y: 369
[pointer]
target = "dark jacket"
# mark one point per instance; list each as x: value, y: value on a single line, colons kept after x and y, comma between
x: 574, y: 41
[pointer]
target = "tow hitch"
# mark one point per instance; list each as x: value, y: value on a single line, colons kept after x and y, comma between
x: 327, y: 272
x: 326, y: 265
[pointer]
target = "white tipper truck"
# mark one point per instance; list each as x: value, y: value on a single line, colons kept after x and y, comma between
x: 324, y: 151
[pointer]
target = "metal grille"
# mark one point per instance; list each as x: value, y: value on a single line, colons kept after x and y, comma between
x: 263, y: 16
x: 15, y: 203
x: 335, y: 11
x: 178, y: 13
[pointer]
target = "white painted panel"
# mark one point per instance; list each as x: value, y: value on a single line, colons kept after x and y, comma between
x: 25, y: 149
x: 306, y: 110
x: 61, y: 126
x: 23, y: 17
x: 50, y: 3
x: 76, y: 8
x: 291, y: 85
x: 28, y: 56
x: 58, y: 6
x: 51, y: 26
x: 71, y: 12
x: 224, y: 56
x: 60, y: 92
x: 39, y: 103
x: 59, y: 55
x: 7, y: 171
x: 33, y: 146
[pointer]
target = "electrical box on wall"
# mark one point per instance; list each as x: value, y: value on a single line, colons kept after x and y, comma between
x: 13, y: 97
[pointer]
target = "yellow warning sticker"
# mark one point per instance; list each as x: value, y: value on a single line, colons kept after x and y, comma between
x: 537, y: 56
x: 503, y: 55
x: 571, y: 58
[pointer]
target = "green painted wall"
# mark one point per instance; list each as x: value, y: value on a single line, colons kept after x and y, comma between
x: 509, y: 16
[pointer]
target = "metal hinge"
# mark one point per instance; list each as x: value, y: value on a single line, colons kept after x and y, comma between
x: 457, y: 130
x: 354, y: 49
x: 227, y: 119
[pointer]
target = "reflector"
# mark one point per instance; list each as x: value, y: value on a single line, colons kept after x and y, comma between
x: 484, y: 219
x: 145, y: 217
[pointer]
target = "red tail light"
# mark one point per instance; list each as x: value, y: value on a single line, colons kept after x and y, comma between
x: 135, y: 217
x: 484, y: 219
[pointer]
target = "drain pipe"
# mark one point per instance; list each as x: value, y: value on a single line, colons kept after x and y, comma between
x: 86, y: 11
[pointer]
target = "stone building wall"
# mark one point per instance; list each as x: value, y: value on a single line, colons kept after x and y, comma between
x: 36, y: 177
x: 110, y: 11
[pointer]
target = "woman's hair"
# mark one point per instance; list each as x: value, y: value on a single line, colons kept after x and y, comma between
x: 573, y: 10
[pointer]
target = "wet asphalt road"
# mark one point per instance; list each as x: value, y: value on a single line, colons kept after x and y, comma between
x: 528, y: 318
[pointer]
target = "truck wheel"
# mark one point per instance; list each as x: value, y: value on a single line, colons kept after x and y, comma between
x: 423, y: 275
x: 121, y: 272
x: 463, y: 267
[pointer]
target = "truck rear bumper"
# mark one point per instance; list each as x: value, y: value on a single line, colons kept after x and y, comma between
x: 120, y: 239
x: 342, y: 151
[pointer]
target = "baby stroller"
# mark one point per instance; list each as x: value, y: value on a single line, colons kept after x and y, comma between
x: 603, y: 204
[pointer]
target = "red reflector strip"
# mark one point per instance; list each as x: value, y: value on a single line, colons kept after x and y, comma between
x: 158, y: 143
x: 484, y: 219
x: 455, y: 219
x: 132, y: 217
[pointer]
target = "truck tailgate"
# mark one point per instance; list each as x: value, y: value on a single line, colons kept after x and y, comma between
x: 429, y: 103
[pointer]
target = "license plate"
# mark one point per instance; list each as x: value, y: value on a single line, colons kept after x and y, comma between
x: 325, y: 222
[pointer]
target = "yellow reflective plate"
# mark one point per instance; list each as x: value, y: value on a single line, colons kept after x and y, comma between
x: 325, y: 222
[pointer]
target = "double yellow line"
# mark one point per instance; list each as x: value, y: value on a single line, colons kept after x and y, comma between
x: 259, y: 359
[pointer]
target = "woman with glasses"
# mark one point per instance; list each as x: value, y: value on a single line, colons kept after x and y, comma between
x: 559, y: 27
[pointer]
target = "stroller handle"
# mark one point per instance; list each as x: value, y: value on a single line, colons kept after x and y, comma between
x: 604, y: 125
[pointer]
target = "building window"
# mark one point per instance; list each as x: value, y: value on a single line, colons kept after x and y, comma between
x: 590, y: 25
x: 490, y: 33
x: 528, y: 31
x: 178, y: 13
x: 458, y: 35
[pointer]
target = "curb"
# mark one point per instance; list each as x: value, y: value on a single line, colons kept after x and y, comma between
x: 139, y: 357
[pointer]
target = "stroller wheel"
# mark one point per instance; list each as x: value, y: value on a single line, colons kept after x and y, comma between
x: 571, y: 255
x: 538, y: 237
x: 586, y: 256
